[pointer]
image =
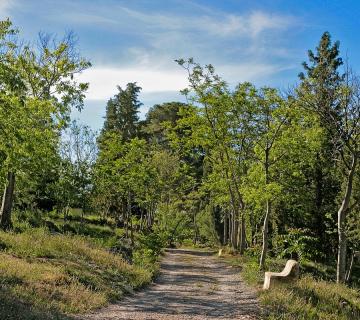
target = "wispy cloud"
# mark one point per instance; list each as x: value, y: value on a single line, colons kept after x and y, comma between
x: 204, y: 33
x: 5, y: 7
x: 103, y: 80
x: 214, y: 23
x: 246, y: 25
x: 87, y: 18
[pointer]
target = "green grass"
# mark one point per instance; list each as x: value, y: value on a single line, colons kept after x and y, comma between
x: 312, y: 297
x: 47, y: 276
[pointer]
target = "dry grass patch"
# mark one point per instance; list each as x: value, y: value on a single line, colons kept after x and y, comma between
x: 59, y: 274
x: 309, y: 298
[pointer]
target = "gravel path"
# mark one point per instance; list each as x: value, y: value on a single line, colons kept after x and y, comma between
x: 192, y: 285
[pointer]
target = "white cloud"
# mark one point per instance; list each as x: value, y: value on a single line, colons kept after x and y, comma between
x: 206, y: 34
x: 103, y: 80
x: 215, y: 23
x: 260, y: 21
x: 5, y: 6
x: 248, y: 25
x: 221, y: 24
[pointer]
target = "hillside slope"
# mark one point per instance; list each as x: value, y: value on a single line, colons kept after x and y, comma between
x: 46, y: 276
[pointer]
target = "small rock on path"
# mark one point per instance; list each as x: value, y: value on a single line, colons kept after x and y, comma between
x: 192, y: 285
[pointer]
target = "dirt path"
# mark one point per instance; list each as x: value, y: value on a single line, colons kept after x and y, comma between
x: 192, y: 285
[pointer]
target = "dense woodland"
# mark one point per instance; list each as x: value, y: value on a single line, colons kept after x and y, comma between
x: 267, y: 173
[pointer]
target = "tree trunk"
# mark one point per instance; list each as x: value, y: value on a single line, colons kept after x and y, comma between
x: 235, y: 235
x: 341, y: 262
x: 267, y: 215
x: 319, y: 186
x: 265, y: 235
x: 195, y: 228
x: 242, y: 234
x: 230, y: 228
x: 225, y: 236
x: 354, y: 255
x: 141, y: 219
x: 128, y: 213
x: 7, y: 202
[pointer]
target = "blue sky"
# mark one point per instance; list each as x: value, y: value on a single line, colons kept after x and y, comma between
x: 259, y: 41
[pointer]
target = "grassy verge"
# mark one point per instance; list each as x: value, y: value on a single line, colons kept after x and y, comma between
x: 46, y: 276
x: 312, y: 297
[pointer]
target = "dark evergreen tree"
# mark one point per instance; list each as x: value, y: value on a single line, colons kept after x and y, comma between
x: 128, y: 107
x: 319, y: 87
x: 122, y: 112
x: 111, y: 116
x: 158, y: 118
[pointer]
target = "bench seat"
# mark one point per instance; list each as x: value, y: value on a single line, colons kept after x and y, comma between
x: 291, y: 270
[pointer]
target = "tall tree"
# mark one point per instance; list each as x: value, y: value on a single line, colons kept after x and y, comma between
x: 122, y: 112
x: 78, y: 154
x: 336, y: 100
x: 39, y: 102
x: 159, y: 118
x: 320, y: 84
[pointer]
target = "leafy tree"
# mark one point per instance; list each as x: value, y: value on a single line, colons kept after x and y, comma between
x: 37, y: 99
x: 158, y: 120
x: 220, y: 128
x: 319, y: 86
x: 270, y: 120
x: 338, y: 108
x: 78, y: 154
x: 122, y: 112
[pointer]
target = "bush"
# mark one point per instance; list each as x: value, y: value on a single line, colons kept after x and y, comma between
x: 297, y: 244
x: 148, y: 248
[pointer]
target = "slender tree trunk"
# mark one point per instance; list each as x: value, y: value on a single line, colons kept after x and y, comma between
x: 265, y: 235
x: 231, y: 229
x: 141, y: 219
x: 131, y: 233
x: 148, y: 216
x: 126, y: 221
x: 319, y: 176
x: 225, y: 236
x: 255, y: 240
x: 238, y: 234
x: 354, y: 255
x: 195, y: 229
x: 267, y: 215
x: 341, y: 262
x: 7, y: 202
x: 128, y: 212
x: 242, y: 244
x: 236, y: 224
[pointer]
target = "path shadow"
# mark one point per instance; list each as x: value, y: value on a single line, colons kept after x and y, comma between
x: 180, y: 300
x: 166, y: 303
x: 12, y: 308
x: 190, y: 252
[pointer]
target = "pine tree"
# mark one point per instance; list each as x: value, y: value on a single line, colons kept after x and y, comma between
x: 319, y: 87
x: 122, y: 112
x: 111, y: 116
x: 128, y: 105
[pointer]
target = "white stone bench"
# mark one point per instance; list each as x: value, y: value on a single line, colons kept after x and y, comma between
x: 291, y: 270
